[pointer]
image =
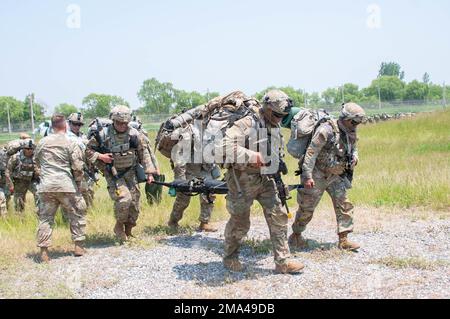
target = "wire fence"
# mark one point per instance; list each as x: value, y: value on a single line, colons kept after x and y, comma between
x: 153, y: 121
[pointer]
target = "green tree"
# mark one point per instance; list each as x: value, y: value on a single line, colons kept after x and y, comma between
x: 331, y: 96
x: 391, y: 88
x: 157, y: 97
x: 426, y: 78
x: 38, y: 110
x: 100, y: 105
x: 66, y: 109
x: 188, y: 100
x: 416, y: 90
x: 314, y: 99
x: 15, y: 110
x: 352, y: 93
x: 391, y: 69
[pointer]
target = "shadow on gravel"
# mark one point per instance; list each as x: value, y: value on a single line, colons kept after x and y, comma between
x: 101, y: 240
x: 53, y: 254
x: 314, y: 245
x: 213, y: 274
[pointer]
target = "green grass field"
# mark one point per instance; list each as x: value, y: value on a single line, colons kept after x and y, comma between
x: 403, y: 163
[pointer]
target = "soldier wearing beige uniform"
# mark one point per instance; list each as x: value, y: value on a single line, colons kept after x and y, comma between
x: 61, y: 165
x: 247, y: 183
x: 117, y: 150
x: 76, y: 121
x: 331, y: 153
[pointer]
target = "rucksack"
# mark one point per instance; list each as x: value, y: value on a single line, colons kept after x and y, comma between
x: 94, y: 126
x: 303, y: 127
x: 14, y: 147
x: 217, y: 115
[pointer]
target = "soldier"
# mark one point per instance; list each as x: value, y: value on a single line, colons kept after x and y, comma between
x: 246, y: 183
x: 188, y: 172
x: 22, y: 175
x: 117, y: 151
x: 74, y: 133
x: 61, y: 165
x: 3, y: 186
x: 330, y: 156
x: 152, y: 191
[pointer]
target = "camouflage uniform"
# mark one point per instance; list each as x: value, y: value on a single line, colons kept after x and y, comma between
x: 330, y: 157
x: 325, y: 162
x: 89, y: 171
x: 190, y: 171
x: 4, y: 191
x: 22, y: 174
x: 61, y: 165
x: 246, y: 184
x: 128, y: 149
x: 152, y: 191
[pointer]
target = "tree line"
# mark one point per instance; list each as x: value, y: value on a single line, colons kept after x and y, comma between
x: 163, y: 98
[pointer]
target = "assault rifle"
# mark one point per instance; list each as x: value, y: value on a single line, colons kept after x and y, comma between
x: 197, y: 186
x: 283, y: 190
x: 102, y: 149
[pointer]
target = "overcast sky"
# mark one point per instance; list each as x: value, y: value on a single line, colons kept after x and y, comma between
x: 111, y: 47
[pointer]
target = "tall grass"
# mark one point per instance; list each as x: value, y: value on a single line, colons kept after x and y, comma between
x: 403, y: 163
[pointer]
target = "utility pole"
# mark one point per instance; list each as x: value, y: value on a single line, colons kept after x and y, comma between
x: 379, y: 97
x: 32, y: 112
x: 444, y: 95
x: 304, y: 96
x: 9, y: 119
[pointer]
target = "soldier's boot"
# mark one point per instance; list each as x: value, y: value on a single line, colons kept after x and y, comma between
x: 290, y: 267
x: 128, y: 228
x: 173, y: 225
x: 233, y: 264
x: 346, y: 244
x: 79, y: 249
x: 207, y: 227
x: 120, y: 232
x: 296, y: 241
x: 44, y: 255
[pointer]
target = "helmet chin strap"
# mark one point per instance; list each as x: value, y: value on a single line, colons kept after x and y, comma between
x: 268, y: 116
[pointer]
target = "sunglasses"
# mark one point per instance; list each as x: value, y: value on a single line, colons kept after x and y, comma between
x: 355, y: 123
x: 77, y: 124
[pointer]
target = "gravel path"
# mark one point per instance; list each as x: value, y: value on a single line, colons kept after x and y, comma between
x: 412, y: 262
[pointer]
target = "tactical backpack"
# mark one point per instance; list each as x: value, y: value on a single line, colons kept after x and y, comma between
x: 14, y: 147
x: 95, y: 125
x: 219, y: 114
x: 3, y: 157
x: 303, y: 127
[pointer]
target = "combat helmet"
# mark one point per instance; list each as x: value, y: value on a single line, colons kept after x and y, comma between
x: 28, y: 144
x: 76, y: 118
x: 278, y: 101
x: 352, y: 111
x: 120, y: 113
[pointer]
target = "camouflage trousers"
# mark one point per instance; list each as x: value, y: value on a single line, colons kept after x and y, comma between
x: 75, y: 209
x: 21, y: 187
x: 308, y: 199
x: 126, y: 197
x: 182, y: 201
x: 262, y: 189
x: 3, y: 202
x: 89, y: 193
